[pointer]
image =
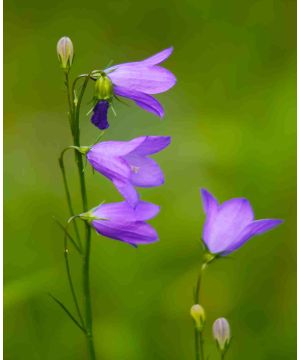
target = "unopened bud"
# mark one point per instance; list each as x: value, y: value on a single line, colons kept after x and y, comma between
x: 65, y: 52
x: 198, y: 314
x: 221, y: 333
x: 104, y: 88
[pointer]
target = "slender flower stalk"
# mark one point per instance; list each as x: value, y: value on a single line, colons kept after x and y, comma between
x: 74, y: 113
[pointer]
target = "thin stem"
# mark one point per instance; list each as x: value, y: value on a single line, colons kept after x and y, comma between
x: 201, y: 342
x: 68, y: 196
x: 66, y: 255
x: 197, y: 347
x: 86, y: 256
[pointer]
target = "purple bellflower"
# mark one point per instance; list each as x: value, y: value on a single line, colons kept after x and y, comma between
x: 230, y: 225
x: 136, y: 81
x: 120, y: 221
x: 126, y: 163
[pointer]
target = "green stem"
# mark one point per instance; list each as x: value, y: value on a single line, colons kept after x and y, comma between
x: 86, y: 256
x: 68, y: 196
x: 197, y: 347
x: 66, y: 253
x: 199, y: 341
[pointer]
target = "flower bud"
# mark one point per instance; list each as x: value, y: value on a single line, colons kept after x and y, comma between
x: 65, y: 52
x: 221, y: 333
x: 104, y: 88
x: 198, y: 314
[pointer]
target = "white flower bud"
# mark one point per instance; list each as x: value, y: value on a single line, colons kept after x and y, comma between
x: 65, y: 52
x: 221, y: 333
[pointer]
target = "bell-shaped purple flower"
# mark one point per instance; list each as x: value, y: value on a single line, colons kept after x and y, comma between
x: 126, y: 163
x: 230, y: 225
x: 139, y: 80
x: 120, y: 221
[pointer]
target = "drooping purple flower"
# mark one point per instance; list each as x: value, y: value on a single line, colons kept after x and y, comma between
x: 230, y: 225
x: 126, y: 163
x: 120, y: 221
x: 136, y: 81
x: 99, y: 117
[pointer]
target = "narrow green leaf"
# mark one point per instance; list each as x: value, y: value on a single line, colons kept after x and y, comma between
x: 67, y: 312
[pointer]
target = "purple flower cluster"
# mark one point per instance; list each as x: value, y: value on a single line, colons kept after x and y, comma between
x: 127, y: 163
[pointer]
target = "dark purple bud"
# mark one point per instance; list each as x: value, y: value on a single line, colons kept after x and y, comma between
x: 99, y: 117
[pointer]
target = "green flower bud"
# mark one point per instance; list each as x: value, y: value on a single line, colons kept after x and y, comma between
x: 198, y: 314
x: 104, y: 88
x: 65, y: 52
x: 221, y: 333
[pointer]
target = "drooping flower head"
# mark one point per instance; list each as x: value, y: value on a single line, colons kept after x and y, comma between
x: 136, y: 81
x: 120, y: 221
x: 230, y: 225
x: 127, y: 165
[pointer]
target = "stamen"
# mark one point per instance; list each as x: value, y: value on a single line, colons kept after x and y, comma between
x: 134, y: 169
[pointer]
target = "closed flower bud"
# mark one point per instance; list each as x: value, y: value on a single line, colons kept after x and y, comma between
x: 65, y: 52
x: 103, y: 88
x: 198, y: 314
x: 221, y: 333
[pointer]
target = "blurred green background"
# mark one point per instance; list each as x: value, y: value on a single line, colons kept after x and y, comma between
x: 232, y: 121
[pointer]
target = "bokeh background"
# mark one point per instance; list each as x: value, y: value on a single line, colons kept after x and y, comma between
x: 232, y: 120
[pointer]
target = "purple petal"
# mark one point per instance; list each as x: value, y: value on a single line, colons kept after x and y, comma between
x: 210, y: 206
x: 127, y: 190
x: 115, y: 148
x: 124, y: 223
x: 226, y: 223
x: 99, y: 117
x: 152, y: 145
x: 209, y: 202
x: 159, y: 57
x: 134, y: 233
x: 145, y: 79
x: 144, y: 171
x: 145, y: 101
x: 145, y: 211
x: 109, y: 166
x: 152, y: 60
x: 257, y: 227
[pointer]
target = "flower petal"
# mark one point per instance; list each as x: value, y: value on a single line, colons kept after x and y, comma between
x: 99, y: 117
x: 145, y: 101
x: 226, y: 223
x: 145, y: 211
x: 159, y: 57
x: 134, y: 233
x: 110, y: 166
x: 209, y: 201
x: 127, y: 190
x: 144, y: 171
x: 152, y: 60
x: 210, y: 206
x: 152, y: 145
x: 145, y: 79
x: 124, y: 223
x: 257, y: 227
x: 115, y: 148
